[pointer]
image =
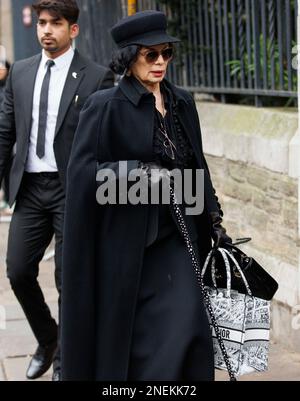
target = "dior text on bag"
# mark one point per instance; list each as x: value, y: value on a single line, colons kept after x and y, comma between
x: 243, y: 320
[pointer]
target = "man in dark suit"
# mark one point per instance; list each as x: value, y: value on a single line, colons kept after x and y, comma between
x: 42, y: 102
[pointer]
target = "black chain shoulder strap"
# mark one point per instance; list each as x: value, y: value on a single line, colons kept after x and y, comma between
x: 205, y: 294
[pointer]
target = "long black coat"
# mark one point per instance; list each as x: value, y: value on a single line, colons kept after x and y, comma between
x: 104, y: 245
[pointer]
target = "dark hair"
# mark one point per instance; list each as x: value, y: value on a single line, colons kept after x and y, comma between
x: 123, y: 59
x: 6, y: 64
x: 67, y: 9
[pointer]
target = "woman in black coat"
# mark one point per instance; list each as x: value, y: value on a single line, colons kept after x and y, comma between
x: 131, y: 307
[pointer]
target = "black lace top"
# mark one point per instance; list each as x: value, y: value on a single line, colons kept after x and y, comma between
x: 181, y: 154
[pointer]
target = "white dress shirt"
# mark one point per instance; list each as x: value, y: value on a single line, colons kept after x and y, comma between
x: 59, y: 74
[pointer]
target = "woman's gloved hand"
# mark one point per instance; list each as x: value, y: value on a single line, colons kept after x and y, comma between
x: 218, y: 231
x: 221, y: 239
x: 155, y: 172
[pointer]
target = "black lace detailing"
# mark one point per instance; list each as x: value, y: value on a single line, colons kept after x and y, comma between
x: 162, y: 155
x: 184, y: 154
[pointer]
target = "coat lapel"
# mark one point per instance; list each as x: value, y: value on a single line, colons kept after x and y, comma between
x: 74, y: 77
x: 29, y: 77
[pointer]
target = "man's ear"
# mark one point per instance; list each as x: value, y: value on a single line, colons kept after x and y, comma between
x: 74, y: 31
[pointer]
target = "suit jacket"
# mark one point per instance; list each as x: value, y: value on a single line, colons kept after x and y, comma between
x: 16, y: 114
x: 2, y: 87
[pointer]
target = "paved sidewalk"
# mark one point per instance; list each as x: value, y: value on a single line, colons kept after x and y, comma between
x: 17, y: 342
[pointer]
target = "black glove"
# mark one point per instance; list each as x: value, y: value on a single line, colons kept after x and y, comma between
x: 153, y: 175
x: 218, y: 231
x: 221, y: 239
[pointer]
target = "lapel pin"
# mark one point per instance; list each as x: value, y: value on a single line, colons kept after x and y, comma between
x: 74, y: 75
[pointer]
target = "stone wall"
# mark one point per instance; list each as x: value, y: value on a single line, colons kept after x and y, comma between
x: 261, y: 204
x: 248, y: 154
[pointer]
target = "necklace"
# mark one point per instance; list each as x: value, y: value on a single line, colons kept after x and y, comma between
x: 168, y: 144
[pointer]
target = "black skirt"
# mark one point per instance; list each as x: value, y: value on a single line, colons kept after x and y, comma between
x: 171, y: 339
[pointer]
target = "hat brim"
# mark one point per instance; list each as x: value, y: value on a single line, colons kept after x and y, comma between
x: 152, y: 40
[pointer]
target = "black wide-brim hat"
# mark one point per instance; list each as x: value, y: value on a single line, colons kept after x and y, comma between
x: 145, y: 28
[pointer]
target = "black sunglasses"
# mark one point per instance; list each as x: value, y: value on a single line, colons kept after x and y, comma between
x: 153, y: 55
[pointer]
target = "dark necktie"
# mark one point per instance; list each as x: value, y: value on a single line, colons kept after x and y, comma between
x: 40, y: 147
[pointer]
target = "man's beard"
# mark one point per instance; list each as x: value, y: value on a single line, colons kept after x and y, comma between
x: 50, y: 49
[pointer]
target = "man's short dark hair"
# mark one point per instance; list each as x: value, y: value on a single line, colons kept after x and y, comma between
x: 67, y: 9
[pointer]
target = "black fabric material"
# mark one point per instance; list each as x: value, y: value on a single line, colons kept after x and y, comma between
x: 38, y: 215
x: 104, y: 246
x: 160, y: 221
x: 43, y: 112
x: 145, y: 28
x: 171, y: 336
x: 2, y: 87
x: 5, y: 183
x: 184, y: 154
x: 16, y: 114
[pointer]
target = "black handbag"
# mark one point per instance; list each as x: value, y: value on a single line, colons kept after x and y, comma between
x: 261, y: 283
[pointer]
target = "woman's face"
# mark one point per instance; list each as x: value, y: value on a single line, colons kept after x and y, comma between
x: 152, y: 63
x: 3, y: 73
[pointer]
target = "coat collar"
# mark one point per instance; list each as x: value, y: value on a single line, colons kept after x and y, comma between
x: 135, y: 91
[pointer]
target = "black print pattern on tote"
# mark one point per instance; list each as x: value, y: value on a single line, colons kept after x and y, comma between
x: 244, y: 323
